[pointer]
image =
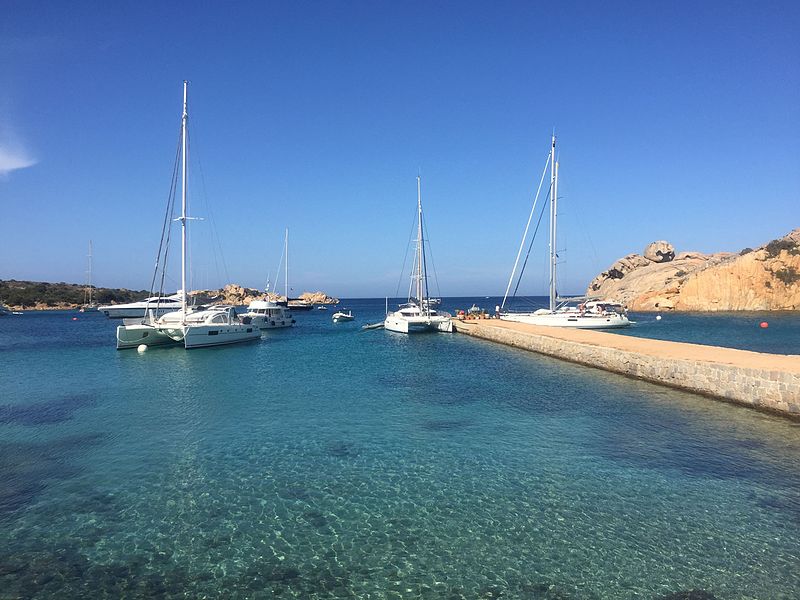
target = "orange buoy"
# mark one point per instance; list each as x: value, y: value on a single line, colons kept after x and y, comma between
x: 764, y: 325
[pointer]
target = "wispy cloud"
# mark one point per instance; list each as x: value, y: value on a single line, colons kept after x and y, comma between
x: 13, y: 157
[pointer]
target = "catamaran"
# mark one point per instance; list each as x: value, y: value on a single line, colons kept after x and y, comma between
x: 583, y: 312
x: 417, y: 314
x: 194, y: 327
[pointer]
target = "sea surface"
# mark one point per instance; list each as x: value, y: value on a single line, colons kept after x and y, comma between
x: 330, y: 462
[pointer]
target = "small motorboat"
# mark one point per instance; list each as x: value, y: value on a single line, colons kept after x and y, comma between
x: 341, y: 316
x: 322, y: 308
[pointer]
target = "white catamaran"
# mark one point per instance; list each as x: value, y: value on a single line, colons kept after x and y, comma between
x: 583, y: 313
x: 193, y: 327
x: 417, y: 314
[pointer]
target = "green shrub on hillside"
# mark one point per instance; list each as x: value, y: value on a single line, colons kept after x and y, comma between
x: 31, y: 293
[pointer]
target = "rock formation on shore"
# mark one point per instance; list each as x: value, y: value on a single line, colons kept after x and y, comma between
x: 238, y: 296
x: 767, y: 278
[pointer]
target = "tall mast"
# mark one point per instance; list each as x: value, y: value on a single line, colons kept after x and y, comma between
x: 89, y: 274
x: 184, y: 119
x: 554, y: 290
x: 286, y: 251
x: 553, y: 186
x: 421, y: 272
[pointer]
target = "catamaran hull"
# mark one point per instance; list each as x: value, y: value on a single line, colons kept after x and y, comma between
x: 203, y: 336
x: 570, y: 320
x: 421, y: 325
x: 133, y: 336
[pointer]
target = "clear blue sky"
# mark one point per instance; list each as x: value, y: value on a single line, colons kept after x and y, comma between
x: 675, y: 120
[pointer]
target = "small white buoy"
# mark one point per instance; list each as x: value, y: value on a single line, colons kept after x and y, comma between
x: 141, y: 348
x: 658, y: 317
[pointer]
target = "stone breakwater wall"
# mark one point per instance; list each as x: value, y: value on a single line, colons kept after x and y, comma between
x: 763, y: 381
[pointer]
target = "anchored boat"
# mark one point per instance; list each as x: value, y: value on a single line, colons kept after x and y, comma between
x: 194, y: 327
x: 583, y: 313
x: 417, y: 314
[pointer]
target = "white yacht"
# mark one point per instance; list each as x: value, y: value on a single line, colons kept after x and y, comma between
x: 155, y: 305
x: 193, y: 327
x: 417, y: 314
x: 591, y: 313
x: 266, y: 314
x: 342, y: 316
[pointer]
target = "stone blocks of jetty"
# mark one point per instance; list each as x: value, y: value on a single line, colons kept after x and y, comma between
x: 659, y: 279
x: 763, y: 381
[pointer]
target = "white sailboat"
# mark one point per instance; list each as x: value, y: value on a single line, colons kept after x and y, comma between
x: 88, y: 305
x: 193, y: 327
x: 417, y: 315
x: 267, y: 314
x: 589, y: 313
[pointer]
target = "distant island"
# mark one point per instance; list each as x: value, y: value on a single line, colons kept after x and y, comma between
x: 39, y: 295
x: 659, y: 279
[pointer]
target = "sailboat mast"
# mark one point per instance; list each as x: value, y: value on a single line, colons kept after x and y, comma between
x: 89, y: 274
x: 553, y: 186
x: 422, y: 274
x: 286, y: 251
x: 554, y: 291
x: 184, y: 119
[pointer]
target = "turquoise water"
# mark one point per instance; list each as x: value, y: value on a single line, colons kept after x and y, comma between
x: 326, y: 462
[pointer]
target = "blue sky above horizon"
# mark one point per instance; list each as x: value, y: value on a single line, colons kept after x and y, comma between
x: 676, y: 121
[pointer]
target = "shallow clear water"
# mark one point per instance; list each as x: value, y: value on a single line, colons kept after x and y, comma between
x: 327, y: 462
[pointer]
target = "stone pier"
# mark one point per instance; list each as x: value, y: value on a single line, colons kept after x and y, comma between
x: 764, y: 381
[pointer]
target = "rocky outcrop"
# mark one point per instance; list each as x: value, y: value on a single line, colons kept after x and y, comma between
x: 242, y: 296
x: 659, y: 252
x: 767, y: 278
x: 318, y: 298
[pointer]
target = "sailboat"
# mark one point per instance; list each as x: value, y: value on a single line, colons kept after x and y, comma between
x: 194, y: 327
x: 417, y: 314
x: 583, y: 312
x: 88, y: 305
x: 268, y: 314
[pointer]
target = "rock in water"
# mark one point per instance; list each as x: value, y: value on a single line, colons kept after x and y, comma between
x: 659, y: 252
